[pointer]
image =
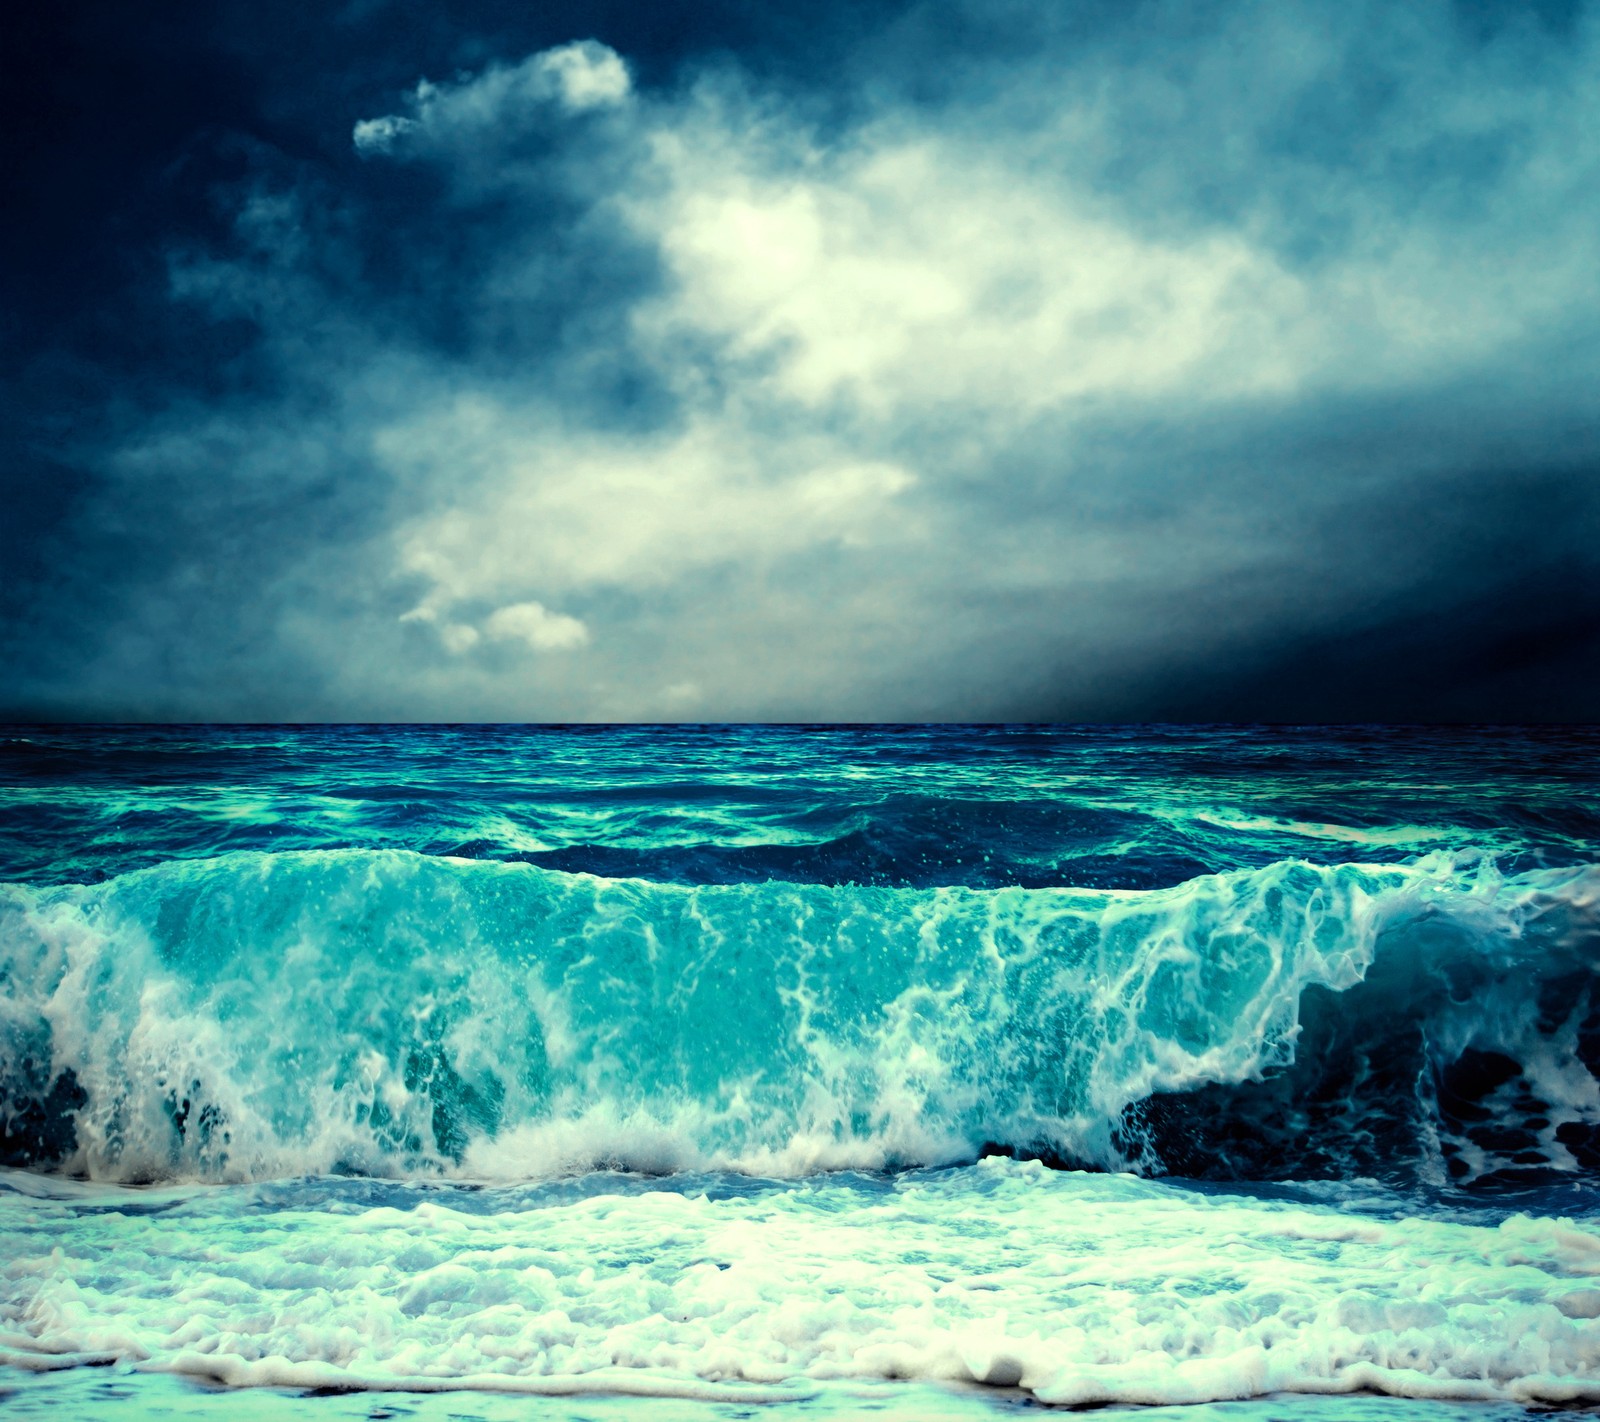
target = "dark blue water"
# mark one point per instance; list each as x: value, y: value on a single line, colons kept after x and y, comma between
x: 986, y: 807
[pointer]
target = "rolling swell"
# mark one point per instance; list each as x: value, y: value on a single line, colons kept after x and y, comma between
x: 387, y: 1012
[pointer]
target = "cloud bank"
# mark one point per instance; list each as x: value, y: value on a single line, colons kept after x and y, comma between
x: 1227, y: 363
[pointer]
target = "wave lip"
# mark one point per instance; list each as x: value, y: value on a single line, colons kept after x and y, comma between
x: 389, y: 1013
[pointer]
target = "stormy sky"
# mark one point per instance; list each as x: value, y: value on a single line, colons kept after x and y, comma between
x: 1013, y: 360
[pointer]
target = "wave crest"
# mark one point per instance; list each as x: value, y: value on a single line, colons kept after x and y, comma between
x: 384, y: 1012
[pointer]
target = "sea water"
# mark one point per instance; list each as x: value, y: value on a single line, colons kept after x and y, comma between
x: 895, y: 1071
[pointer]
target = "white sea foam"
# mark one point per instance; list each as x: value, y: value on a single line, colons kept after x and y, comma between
x: 1417, y: 838
x: 1075, y: 1288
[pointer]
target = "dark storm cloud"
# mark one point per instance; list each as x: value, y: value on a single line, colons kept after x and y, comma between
x: 1446, y: 564
x: 897, y: 361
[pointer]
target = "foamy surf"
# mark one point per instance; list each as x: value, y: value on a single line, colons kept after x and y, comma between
x: 1072, y: 1288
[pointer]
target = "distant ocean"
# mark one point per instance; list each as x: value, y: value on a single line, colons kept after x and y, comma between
x: 834, y: 1072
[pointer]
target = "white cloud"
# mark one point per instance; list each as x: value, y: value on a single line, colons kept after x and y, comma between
x: 570, y: 78
x: 533, y: 623
x: 585, y: 75
x: 583, y: 509
x: 528, y: 622
x: 379, y: 135
x: 871, y: 467
x: 458, y: 637
x: 904, y: 273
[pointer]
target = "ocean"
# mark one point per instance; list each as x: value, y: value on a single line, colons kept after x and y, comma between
x: 779, y: 1072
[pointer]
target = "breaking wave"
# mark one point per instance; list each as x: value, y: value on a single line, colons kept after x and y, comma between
x: 389, y: 1013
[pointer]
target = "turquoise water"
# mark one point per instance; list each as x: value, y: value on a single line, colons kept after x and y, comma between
x: 891, y: 1071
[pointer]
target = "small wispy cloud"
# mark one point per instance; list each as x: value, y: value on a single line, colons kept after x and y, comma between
x: 571, y: 79
x: 537, y: 626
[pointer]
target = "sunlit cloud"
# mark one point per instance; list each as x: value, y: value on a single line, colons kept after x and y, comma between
x: 1031, y: 395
